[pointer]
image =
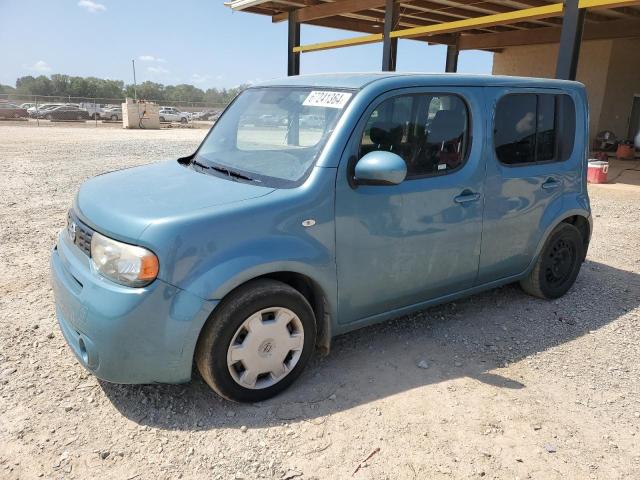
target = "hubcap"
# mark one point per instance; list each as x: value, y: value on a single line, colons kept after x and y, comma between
x: 265, y: 348
x: 560, y: 262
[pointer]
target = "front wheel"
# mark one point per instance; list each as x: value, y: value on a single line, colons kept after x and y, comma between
x: 162, y: 119
x: 257, y: 341
x: 183, y: 120
x: 558, y: 265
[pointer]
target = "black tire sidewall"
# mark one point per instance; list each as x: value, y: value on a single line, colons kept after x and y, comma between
x: 571, y: 234
x: 228, y: 319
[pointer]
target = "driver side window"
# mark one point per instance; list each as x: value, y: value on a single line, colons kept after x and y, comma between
x: 429, y: 132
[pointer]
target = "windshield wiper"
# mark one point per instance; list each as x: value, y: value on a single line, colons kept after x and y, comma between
x: 198, y: 164
x: 226, y: 171
x: 231, y: 173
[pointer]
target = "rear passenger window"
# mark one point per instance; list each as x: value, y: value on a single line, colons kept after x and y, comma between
x: 429, y: 131
x: 532, y: 128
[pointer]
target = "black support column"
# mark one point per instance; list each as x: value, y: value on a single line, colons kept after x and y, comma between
x: 390, y: 45
x: 570, y: 39
x: 293, y: 58
x: 452, y: 58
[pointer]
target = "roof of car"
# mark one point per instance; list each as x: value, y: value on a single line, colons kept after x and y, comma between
x: 360, y: 80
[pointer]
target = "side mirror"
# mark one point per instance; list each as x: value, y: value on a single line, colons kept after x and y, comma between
x: 380, y: 168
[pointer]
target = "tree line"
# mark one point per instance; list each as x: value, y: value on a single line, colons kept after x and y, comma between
x: 59, y: 85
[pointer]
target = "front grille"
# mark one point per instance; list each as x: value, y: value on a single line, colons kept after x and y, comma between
x: 79, y: 232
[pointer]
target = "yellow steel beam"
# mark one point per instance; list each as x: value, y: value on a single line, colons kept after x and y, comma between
x: 534, y: 13
x: 347, y: 42
x: 595, y: 4
x: 546, y: 11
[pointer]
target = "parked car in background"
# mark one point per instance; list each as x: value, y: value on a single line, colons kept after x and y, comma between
x: 26, y: 106
x: 172, y: 114
x: 270, y: 120
x: 265, y: 243
x: 36, y: 110
x: 10, y: 110
x: 65, y: 112
x: 207, y: 115
x: 312, y: 121
x: 94, y: 109
x: 113, y: 113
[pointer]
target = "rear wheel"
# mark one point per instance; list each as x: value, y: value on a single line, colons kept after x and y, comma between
x: 183, y: 120
x: 558, y: 265
x: 162, y: 119
x: 49, y: 117
x: 257, y: 341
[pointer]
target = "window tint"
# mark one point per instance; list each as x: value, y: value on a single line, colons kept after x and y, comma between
x: 533, y: 128
x: 430, y: 132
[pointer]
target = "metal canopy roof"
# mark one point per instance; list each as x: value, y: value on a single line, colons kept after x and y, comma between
x: 362, y: 79
x: 468, y: 24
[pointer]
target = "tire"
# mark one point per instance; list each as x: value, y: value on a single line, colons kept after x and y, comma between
x: 558, y: 265
x: 183, y: 120
x: 256, y: 305
x: 114, y: 118
x: 162, y: 119
x: 79, y: 117
x: 49, y: 117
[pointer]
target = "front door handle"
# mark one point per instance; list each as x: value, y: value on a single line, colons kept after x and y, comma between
x: 466, y: 197
x: 550, y: 184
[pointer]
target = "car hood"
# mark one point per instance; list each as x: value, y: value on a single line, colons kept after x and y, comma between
x: 122, y: 204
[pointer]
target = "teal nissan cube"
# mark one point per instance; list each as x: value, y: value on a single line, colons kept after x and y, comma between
x: 317, y: 205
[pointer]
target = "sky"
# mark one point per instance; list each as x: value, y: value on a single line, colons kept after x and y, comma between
x: 200, y: 42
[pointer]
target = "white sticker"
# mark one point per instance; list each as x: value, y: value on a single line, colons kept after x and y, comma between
x: 323, y: 98
x: 442, y: 166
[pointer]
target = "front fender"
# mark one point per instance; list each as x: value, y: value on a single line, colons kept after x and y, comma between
x: 261, y: 257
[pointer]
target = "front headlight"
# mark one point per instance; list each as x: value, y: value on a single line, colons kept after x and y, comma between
x: 122, y: 263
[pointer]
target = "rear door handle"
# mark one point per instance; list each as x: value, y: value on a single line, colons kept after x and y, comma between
x: 467, y: 197
x: 550, y: 184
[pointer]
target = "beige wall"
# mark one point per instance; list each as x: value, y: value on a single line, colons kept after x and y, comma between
x: 623, y: 81
x: 610, y: 69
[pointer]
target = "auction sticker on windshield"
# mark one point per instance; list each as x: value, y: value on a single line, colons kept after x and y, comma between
x: 323, y: 98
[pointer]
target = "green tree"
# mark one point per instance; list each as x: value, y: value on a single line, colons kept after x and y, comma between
x: 147, y: 91
x: 60, y: 85
x: 34, y: 86
x: 183, y: 93
x: 7, y: 89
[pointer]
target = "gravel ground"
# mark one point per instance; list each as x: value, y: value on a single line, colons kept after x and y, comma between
x: 500, y: 385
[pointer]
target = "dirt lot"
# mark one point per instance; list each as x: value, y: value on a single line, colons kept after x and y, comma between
x: 500, y: 385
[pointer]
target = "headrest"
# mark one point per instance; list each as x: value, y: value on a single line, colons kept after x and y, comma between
x: 447, y: 124
x: 384, y: 133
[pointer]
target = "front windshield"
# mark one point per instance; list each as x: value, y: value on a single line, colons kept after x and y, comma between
x: 272, y: 135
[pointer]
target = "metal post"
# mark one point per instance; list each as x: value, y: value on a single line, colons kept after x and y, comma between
x: 135, y: 87
x: 452, y: 59
x: 570, y: 40
x: 390, y: 45
x: 293, y: 58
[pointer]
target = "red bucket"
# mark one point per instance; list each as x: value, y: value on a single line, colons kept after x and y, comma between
x: 597, y: 171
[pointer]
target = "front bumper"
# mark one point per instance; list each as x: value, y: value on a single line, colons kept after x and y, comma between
x: 122, y: 334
